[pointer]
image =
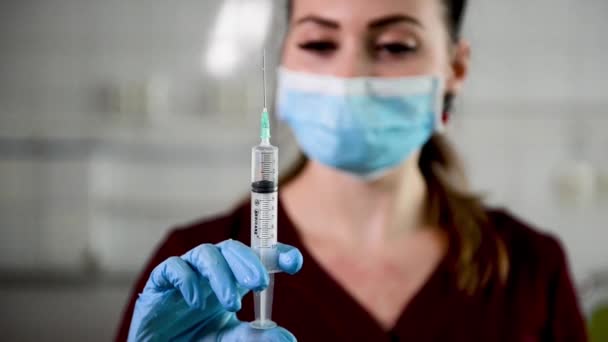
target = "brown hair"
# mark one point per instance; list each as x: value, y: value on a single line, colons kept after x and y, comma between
x: 479, y: 254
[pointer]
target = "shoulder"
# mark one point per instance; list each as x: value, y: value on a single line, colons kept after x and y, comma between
x: 210, y: 229
x: 539, y: 285
x: 529, y: 248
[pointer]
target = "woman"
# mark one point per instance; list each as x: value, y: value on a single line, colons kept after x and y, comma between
x: 395, y: 246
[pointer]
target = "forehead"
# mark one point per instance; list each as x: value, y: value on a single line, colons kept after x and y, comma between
x: 364, y: 11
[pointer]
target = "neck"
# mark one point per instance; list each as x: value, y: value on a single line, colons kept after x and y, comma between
x: 325, y: 202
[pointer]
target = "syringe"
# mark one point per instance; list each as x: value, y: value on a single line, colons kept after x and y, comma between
x: 264, y: 193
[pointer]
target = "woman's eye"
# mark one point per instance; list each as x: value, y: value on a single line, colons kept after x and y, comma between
x: 320, y: 47
x: 395, y: 49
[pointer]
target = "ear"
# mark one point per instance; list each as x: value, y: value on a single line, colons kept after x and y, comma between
x: 458, y: 67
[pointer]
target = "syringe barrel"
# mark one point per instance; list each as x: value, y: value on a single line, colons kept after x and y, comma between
x: 264, y: 204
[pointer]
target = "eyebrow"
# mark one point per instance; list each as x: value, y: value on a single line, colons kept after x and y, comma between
x: 394, y: 19
x: 377, y: 23
x: 318, y: 20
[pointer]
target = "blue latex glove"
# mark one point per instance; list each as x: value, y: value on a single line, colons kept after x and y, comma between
x: 195, y: 296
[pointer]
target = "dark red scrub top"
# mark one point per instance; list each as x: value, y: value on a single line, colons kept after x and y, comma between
x: 538, y: 302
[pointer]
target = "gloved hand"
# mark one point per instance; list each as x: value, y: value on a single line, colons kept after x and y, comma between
x: 195, y: 296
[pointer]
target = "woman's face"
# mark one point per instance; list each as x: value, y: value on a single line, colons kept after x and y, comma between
x: 382, y: 38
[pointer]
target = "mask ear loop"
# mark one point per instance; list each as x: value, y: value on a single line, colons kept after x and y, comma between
x: 447, y: 108
x: 442, y: 106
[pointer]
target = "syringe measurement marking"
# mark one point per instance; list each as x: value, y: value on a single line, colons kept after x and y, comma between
x: 265, y: 222
x: 265, y: 233
x: 268, y: 170
x: 267, y: 163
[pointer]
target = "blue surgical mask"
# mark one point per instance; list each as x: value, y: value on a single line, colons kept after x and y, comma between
x: 364, y: 126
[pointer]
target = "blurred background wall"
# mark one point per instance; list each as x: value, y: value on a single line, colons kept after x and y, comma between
x: 116, y: 115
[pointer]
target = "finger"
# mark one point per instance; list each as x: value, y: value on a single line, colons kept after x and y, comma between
x: 244, y: 332
x: 245, y: 265
x: 176, y: 273
x: 209, y: 262
x: 290, y: 258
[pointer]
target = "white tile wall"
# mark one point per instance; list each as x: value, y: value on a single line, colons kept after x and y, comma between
x: 518, y: 154
x: 44, y: 213
x: 547, y: 49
